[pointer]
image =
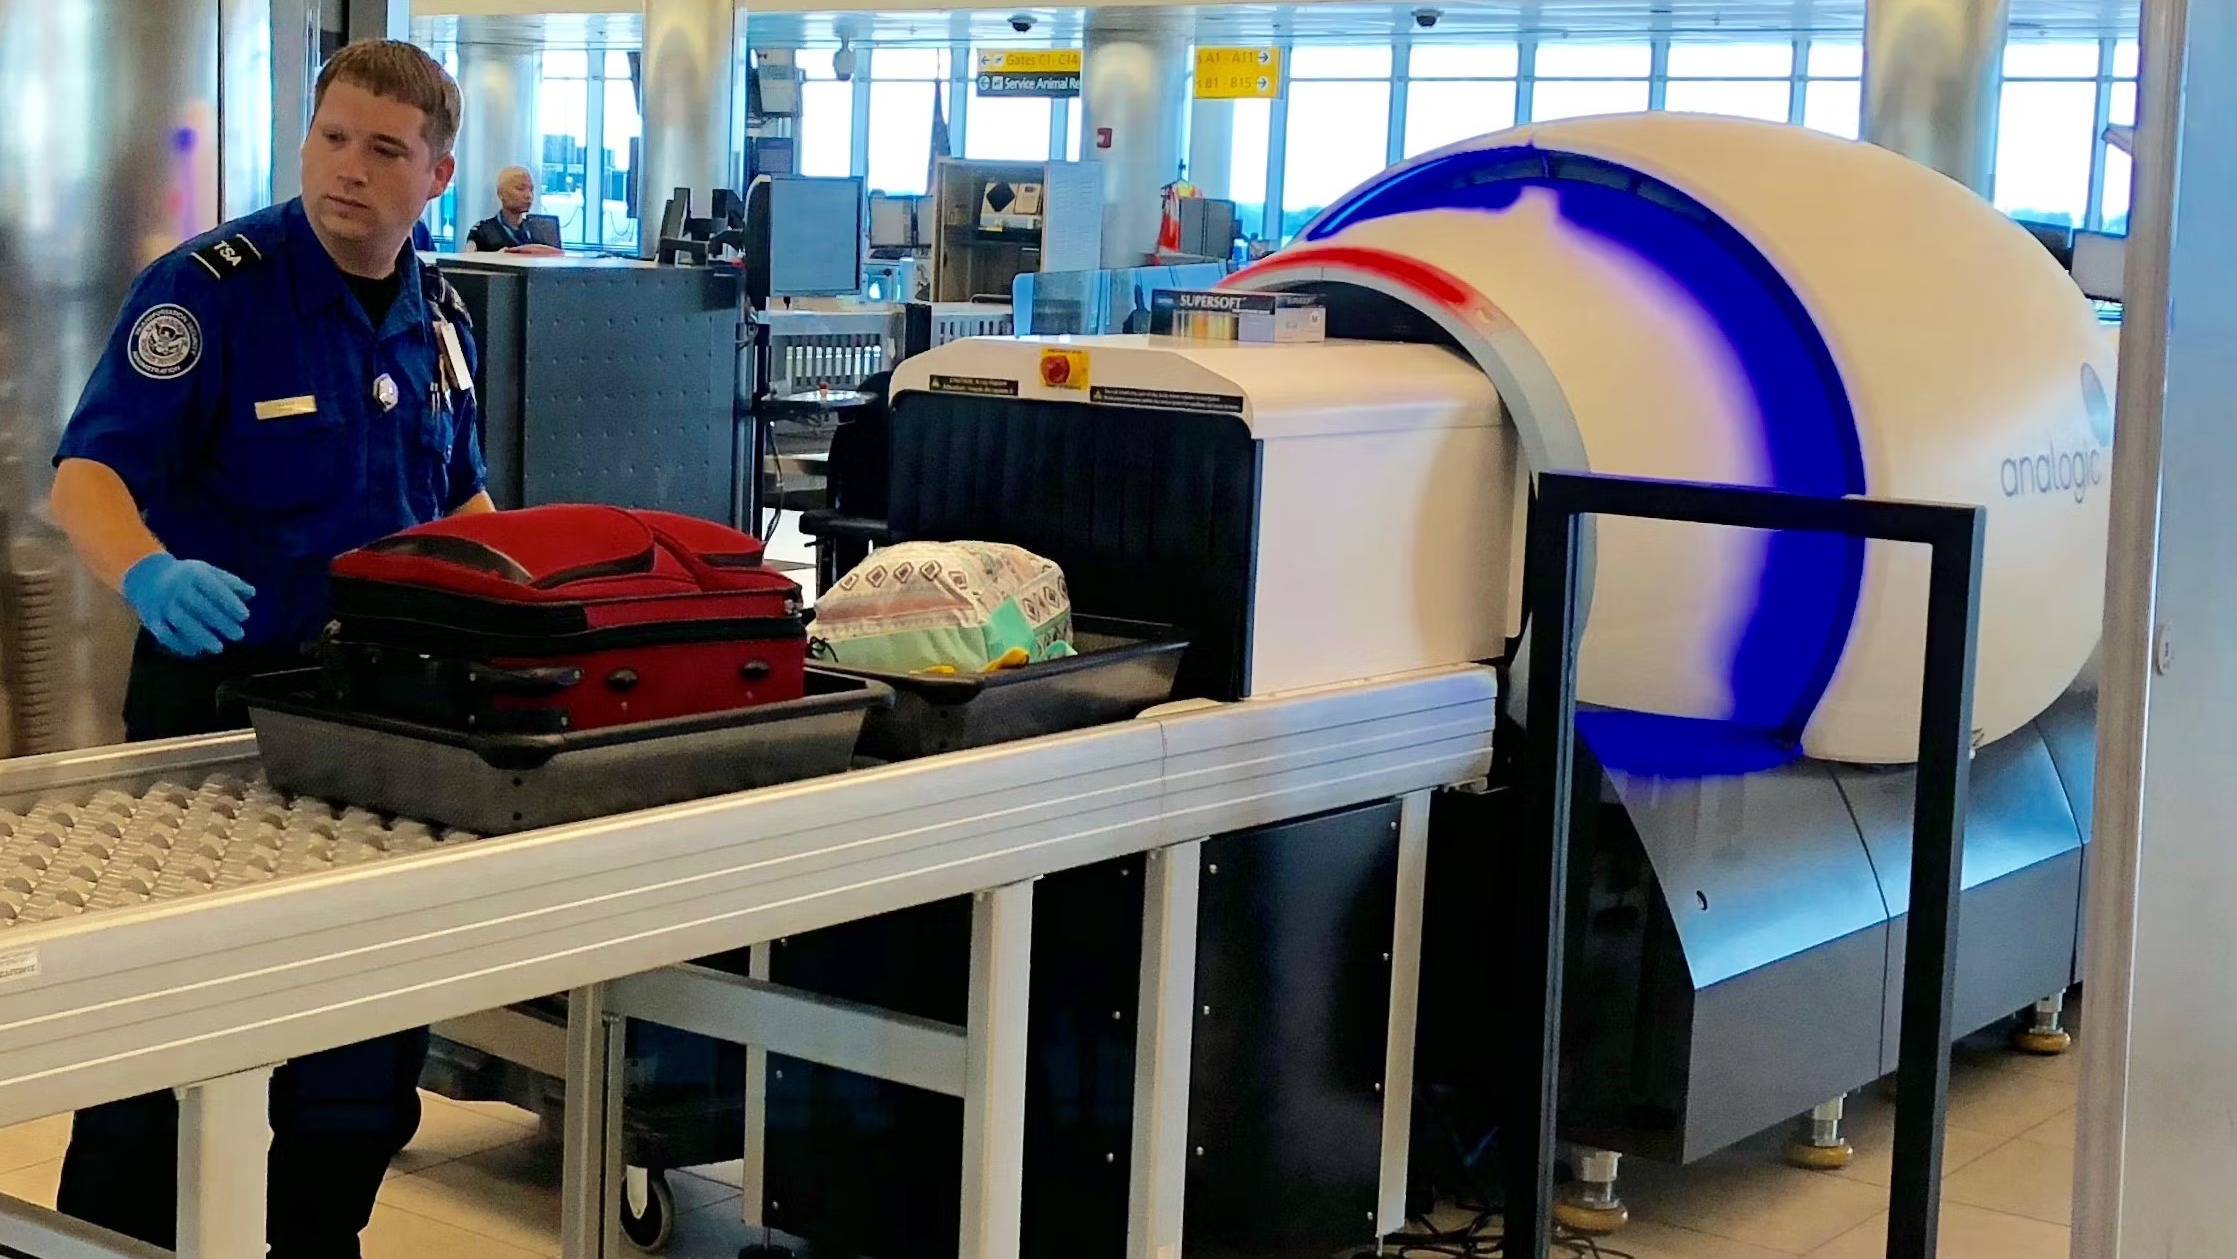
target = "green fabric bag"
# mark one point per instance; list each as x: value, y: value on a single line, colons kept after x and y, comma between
x: 922, y: 606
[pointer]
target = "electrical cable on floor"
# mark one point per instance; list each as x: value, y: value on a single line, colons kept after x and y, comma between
x: 1480, y: 1240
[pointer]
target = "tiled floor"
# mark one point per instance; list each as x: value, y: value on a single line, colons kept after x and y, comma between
x: 479, y: 1183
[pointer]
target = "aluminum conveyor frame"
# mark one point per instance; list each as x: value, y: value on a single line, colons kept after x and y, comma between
x: 204, y: 994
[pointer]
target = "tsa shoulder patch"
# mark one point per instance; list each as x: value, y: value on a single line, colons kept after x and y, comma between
x: 166, y: 342
x: 222, y: 258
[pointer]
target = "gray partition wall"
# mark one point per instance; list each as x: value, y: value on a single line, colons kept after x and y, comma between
x: 605, y: 381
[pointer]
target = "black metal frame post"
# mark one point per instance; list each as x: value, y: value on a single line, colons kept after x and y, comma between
x: 1954, y: 535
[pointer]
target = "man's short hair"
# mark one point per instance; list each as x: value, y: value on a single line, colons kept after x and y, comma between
x: 402, y: 72
x: 516, y: 172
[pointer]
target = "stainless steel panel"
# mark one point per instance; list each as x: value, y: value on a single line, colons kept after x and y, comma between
x: 1755, y: 869
x: 2015, y: 945
x: 2019, y: 815
x: 108, y: 157
x: 1767, y: 1042
x: 2156, y: 1138
x: 1932, y: 74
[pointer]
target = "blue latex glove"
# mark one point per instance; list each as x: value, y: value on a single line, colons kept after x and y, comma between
x: 192, y: 608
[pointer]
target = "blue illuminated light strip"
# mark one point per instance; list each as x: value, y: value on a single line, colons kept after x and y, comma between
x: 1806, y: 602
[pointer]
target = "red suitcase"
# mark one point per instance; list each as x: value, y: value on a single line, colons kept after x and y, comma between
x: 561, y: 618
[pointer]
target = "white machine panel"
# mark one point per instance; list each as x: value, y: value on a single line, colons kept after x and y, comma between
x: 1387, y: 530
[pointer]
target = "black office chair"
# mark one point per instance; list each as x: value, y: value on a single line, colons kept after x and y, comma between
x: 855, y: 481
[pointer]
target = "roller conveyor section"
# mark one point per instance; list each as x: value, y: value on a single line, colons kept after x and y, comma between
x: 64, y: 857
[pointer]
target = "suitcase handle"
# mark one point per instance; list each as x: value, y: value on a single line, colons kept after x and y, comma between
x: 547, y: 680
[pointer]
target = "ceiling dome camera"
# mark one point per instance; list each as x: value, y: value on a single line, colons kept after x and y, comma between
x: 1021, y: 22
x: 1426, y: 18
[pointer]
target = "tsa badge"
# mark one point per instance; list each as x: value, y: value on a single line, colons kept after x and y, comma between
x: 384, y: 391
x: 166, y: 342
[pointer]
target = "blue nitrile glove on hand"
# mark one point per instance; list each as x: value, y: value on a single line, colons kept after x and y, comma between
x: 192, y: 608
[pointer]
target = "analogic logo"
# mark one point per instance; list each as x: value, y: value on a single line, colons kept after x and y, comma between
x: 2067, y: 470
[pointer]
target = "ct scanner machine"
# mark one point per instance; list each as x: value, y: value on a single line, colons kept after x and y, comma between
x: 1660, y: 295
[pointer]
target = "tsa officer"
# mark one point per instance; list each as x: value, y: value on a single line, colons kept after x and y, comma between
x: 288, y: 387
x: 507, y: 231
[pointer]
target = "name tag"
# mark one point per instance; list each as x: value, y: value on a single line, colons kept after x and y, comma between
x: 286, y: 408
x: 454, y: 352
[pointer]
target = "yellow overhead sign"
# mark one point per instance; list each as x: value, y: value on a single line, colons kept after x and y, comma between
x: 1030, y: 72
x: 1238, y: 74
x: 1030, y: 61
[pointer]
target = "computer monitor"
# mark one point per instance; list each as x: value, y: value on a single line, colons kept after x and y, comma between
x: 2100, y: 265
x: 893, y: 222
x: 543, y: 229
x: 815, y: 231
x: 2055, y: 237
x: 672, y: 218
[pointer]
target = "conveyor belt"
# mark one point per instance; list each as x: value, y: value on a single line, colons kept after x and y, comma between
x: 64, y: 857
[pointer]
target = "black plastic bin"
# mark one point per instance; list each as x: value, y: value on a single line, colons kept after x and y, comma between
x: 494, y: 784
x: 1122, y: 668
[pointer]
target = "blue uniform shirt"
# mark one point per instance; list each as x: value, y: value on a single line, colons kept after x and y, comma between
x: 265, y: 426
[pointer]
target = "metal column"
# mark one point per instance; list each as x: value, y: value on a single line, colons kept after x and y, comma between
x: 498, y: 83
x: 994, y: 1072
x: 686, y: 104
x: 1158, y: 1179
x: 1933, y: 72
x: 224, y: 1142
x: 1134, y: 82
x: 2156, y: 1145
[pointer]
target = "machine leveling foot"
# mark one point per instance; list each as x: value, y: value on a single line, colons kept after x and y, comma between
x: 1590, y: 1205
x: 1819, y: 1145
x: 2043, y: 1033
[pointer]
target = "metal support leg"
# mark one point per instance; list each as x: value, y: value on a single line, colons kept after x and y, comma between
x: 1158, y: 1178
x: 754, y: 1177
x: 1591, y: 1206
x: 1819, y: 1145
x: 590, y: 1175
x: 1405, y: 998
x: 225, y: 1143
x: 994, y: 1080
x: 2044, y: 1032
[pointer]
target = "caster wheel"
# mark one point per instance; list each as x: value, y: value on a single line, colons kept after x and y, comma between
x: 649, y: 1222
x: 1820, y: 1158
x: 2042, y: 1044
x: 1589, y: 1220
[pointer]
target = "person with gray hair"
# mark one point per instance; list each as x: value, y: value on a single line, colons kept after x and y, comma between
x: 508, y: 230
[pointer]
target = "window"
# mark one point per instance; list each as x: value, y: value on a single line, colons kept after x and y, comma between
x: 1747, y: 80
x: 1249, y: 146
x: 904, y: 85
x: 1008, y: 128
x: 1835, y: 106
x: 1458, y: 92
x: 1447, y: 111
x: 562, y: 166
x: 1833, y: 91
x: 825, y: 145
x: 2047, y: 130
x: 2119, y: 166
x: 619, y: 139
x: 1578, y: 80
x: 1339, y: 127
x: 1584, y: 98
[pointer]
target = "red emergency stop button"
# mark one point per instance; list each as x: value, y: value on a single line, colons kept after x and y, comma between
x: 1064, y: 369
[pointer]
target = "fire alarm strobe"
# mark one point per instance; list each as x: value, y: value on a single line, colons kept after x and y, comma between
x: 1102, y: 137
